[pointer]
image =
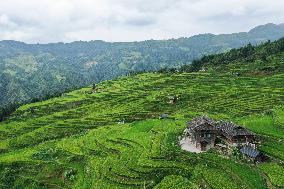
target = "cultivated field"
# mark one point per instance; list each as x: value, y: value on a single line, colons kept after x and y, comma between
x: 115, y: 139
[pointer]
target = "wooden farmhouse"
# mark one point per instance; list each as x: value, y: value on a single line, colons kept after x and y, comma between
x: 203, y: 132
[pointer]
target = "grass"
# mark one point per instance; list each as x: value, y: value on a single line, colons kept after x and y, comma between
x: 279, y: 116
x: 264, y: 125
x: 275, y: 173
x: 77, y: 140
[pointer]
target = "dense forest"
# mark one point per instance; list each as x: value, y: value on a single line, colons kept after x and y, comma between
x: 35, y: 71
x: 248, y: 54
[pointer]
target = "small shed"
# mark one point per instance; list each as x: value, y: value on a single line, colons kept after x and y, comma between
x: 164, y: 116
x: 253, y: 154
x: 173, y: 99
x: 94, y: 88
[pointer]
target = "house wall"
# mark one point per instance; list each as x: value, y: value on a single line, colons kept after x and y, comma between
x: 209, y: 136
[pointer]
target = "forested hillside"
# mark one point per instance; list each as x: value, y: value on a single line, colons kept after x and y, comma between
x: 246, y: 60
x: 114, y: 138
x: 34, y: 71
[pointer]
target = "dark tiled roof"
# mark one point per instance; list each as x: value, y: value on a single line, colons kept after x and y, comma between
x: 200, y: 123
x: 232, y: 129
x: 227, y: 128
x: 249, y: 151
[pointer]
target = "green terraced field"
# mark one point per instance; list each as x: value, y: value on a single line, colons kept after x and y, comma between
x: 77, y: 140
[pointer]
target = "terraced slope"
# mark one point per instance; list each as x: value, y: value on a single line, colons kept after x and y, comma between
x: 114, y: 139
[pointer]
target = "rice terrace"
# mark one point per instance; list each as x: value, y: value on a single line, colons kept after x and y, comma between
x: 115, y: 137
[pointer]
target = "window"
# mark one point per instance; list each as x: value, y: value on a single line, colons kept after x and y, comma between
x: 206, y: 135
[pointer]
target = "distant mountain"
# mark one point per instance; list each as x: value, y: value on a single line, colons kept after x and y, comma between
x: 268, y: 30
x: 29, y: 71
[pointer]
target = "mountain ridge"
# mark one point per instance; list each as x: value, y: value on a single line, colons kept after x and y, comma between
x: 257, y: 28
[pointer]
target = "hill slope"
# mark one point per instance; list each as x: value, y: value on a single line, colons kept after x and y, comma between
x: 29, y: 71
x: 114, y: 139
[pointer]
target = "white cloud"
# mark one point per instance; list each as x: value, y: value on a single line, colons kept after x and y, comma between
x: 128, y: 20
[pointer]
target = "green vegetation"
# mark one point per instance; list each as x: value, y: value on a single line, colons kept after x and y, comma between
x: 247, y: 60
x: 275, y: 173
x: 32, y: 72
x: 114, y: 138
x: 75, y: 140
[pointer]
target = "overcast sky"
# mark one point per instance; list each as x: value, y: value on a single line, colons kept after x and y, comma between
x: 46, y: 21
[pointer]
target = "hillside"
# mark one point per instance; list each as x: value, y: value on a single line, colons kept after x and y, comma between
x: 115, y: 139
x: 34, y: 71
x: 262, y: 59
